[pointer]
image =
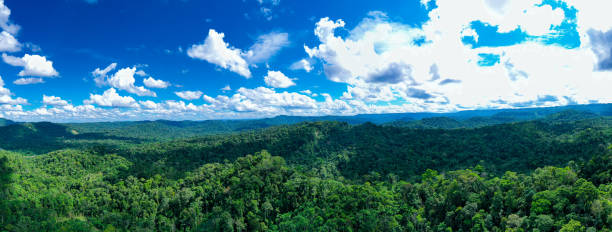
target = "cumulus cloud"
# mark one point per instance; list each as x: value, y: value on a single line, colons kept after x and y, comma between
x: 141, y: 73
x: 277, y: 79
x: 391, y: 67
x: 6, y: 96
x: 100, y: 75
x: 302, y: 64
x: 226, y: 88
x: 5, y: 23
x: 28, y: 81
x: 309, y: 92
x: 110, y: 98
x: 601, y: 43
x: 124, y: 80
x: 54, y: 101
x: 262, y: 100
x: 8, y: 43
x: 216, y: 51
x: 392, y: 74
x: 33, y: 65
x: 153, y: 83
x: 591, y: 15
x: 382, y: 61
x: 148, y: 104
x: 266, y: 46
x: 189, y: 95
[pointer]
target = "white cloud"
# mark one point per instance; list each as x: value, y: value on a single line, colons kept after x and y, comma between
x: 153, y: 83
x: 28, y: 81
x: 5, y: 23
x: 601, y: 44
x: 189, y: 95
x: 277, y: 79
x: 381, y: 62
x: 592, y: 14
x: 8, y: 43
x: 226, y: 88
x: 33, y: 65
x: 148, y: 104
x: 110, y: 98
x: 101, y: 74
x: 124, y: 80
x: 54, y: 101
x: 302, y: 64
x: 266, y: 46
x: 6, y: 96
x: 307, y: 92
x: 170, y: 107
x: 262, y: 100
x: 216, y: 51
x: 386, y: 71
x: 141, y: 73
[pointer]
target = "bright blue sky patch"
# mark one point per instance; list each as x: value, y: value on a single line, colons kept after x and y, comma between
x: 487, y: 59
x: 488, y: 36
x: 567, y: 36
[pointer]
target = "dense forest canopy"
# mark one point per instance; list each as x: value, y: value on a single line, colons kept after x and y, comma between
x: 484, y: 173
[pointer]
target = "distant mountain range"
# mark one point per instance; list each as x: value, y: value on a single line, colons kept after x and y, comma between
x: 164, y: 130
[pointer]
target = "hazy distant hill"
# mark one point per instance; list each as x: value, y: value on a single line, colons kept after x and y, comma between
x: 166, y: 130
x: 5, y: 122
x: 498, y: 118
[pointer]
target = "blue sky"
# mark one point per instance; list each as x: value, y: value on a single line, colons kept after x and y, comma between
x: 188, y: 59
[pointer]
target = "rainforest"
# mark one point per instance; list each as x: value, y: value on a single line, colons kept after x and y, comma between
x: 529, y: 170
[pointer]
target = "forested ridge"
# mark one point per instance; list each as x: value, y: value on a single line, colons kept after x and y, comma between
x: 550, y: 174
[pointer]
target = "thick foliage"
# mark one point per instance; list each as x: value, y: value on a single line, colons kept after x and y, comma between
x: 262, y: 193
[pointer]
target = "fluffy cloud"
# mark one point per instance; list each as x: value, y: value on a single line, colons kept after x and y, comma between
x: 302, y: 64
x: 101, y: 74
x: 153, y: 83
x: 189, y: 95
x: 592, y: 15
x: 8, y: 43
x: 110, y: 98
x: 124, y: 80
x: 601, y: 43
x: 6, y: 96
x: 54, y: 101
x: 530, y: 15
x: 391, y: 67
x: 5, y: 23
x: 169, y: 107
x: 263, y: 100
x: 431, y: 69
x: 28, y: 81
x: 277, y: 79
x: 33, y: 65
x: 216, y: 51
x: 266, y: 46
